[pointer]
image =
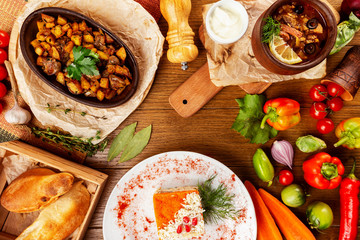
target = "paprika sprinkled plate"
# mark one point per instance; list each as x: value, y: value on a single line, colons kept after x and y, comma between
x: 129, y: 212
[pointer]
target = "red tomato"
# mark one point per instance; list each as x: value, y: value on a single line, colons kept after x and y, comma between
x: 318, y: 110
x: 3, y: 72
x: 334, y: 89
x: 318, y: 93
x: 3, y: 56
x: 3, y: 90
x: 335, y: 104
x: 325, y: 126
x: 286, y: 177
x: 4, y: 39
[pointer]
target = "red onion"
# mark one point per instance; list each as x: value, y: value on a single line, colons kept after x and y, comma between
x: 283, y: 152
x: 348, y: 6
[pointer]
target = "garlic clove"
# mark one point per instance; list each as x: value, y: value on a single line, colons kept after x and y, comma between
x: 17, y: 115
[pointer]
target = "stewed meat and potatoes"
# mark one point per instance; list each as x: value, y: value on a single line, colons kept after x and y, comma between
x: 87, y: 61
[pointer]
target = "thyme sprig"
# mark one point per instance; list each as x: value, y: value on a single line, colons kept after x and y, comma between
x: 71, y: 142
x: 216, y: 202
x: 50, y: 108
x: 270, y: 29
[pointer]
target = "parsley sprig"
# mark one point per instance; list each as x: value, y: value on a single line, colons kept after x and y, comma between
x: 270, y: 29
x: 84, y: 63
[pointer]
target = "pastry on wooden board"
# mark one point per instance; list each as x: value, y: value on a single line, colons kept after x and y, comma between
x: 178, y: 213
x: 61, y: 218
x: 35, y: 189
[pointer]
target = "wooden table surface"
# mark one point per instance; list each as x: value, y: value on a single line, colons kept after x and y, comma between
x: 209, y: 131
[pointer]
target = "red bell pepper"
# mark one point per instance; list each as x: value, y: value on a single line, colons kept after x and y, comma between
x: 323, y: 171
x: 281, y: 113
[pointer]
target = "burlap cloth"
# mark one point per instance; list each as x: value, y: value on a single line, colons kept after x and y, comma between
x: 235, y: 64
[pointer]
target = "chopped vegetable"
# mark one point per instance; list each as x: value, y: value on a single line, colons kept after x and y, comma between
x: 348, y: 133
x: 283, y: 153
x: 217, y: 202
x: 263, y: 167
x: 293, y: 195
x: 266, y: 226
x: 283, y: 217
x: 270, y: 29
x: 345, y: 32
x: 319, y: 215
x: 281, y: 113
x: 310, y: 144
x: 248, y: 121
x: 84, y: 63
x: 323, y: 171
x: 349, y: 206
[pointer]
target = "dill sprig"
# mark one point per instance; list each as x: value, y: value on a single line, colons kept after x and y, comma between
x: 270, y: 29
x: 216, y: 202
x: 71, y: 142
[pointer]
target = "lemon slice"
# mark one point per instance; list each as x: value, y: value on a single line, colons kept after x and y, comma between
x: 282, y: 51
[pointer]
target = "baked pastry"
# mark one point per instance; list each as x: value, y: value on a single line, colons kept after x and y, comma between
x: 61, y: 218
x: 178, y: 213
x: 35, y: 189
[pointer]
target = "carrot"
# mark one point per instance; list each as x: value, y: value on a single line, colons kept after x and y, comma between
x: 266, y: 226
x: 291, y: 227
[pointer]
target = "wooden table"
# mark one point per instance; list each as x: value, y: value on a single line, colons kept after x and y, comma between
x: 209, y: 131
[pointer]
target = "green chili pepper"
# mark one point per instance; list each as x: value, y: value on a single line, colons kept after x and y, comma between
x: 263, y: 167
x: 345, y: 32
x: 309, y: 143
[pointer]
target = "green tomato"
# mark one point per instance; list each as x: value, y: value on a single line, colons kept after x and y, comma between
x: 293, y: 195
x: 319, y: 215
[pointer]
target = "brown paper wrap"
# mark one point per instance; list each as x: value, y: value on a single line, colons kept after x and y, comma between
x: 125, y: 18
x: 235, y: 64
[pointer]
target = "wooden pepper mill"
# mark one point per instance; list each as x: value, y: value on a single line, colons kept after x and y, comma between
x: 347, y: 74
x: 180, y: 35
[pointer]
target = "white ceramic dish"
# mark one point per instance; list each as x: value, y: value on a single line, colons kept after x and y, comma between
x: 241, y: 13
x: 129, y: 212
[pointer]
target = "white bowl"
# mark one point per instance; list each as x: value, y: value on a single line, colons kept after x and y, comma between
x: 239, y: 9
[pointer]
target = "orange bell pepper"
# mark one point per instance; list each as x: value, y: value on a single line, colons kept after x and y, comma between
x: 281, y: 113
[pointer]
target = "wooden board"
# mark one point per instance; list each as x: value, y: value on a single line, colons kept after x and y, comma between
x: 94, y: 181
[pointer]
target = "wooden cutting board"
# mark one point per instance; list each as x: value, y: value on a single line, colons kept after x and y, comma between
x: 198, y: 90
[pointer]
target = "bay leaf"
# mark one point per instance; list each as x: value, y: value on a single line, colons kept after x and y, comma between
x: 121, y: 140
x: 136, y: 144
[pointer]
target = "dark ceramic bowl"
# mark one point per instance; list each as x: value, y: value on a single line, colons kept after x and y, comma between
x: 271, y: 63
x: 28, y: 33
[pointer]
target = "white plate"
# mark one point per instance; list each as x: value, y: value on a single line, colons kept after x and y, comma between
x: 129, y: 212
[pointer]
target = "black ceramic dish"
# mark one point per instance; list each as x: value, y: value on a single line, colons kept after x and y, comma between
x: 28, y: 33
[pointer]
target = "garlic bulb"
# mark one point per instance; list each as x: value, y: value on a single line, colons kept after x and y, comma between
x: 17, y: 115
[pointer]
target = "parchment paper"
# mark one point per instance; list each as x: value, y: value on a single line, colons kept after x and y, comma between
x: 139, y: 31
x: 235, y: 64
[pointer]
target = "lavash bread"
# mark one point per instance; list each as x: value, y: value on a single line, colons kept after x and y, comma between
x: 35, y: 189
x: 61, y: 218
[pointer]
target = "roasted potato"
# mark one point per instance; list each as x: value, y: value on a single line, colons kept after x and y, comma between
x: 41, y: 25
x: 83, y: 26
x: 95, y: 86
x: 85, y: 83
x: 77, y: 39
x: 100, y: 94
x: 88, y: 38
x: 74, y: 87
x: 110, y: 94
x: 121, y: 53
x: 104, y: 82
x: 35, y: 43
x: 103, y: 55
x: 60, y: 77
x: 54, y: 53
x: 61, y: 20
x: 39, y: 50
x: 45, y: 46
x: 47, y: 18
x: 69, y: 47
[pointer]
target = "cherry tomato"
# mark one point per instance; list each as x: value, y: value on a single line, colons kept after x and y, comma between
x: 334, y: 89
x: 325, y: 126
x: 3, y: 72
x: 335, y: 104
x: 3, y: 90
x: 4, y: 39
x: 3, y: 56
x: 286, y: 177
x: 318, y: 93
x: 318, y: 110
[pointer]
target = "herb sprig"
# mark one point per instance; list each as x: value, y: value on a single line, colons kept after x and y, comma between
x: 216, y: 202
x: 51, y: 108
x: 84, y: 63
x: 71, y: 142
x: 270, y: 29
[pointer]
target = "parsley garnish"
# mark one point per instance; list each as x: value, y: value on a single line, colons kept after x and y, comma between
x: 84, y: 63
x: 270, y: 29
x: 248, y: 121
